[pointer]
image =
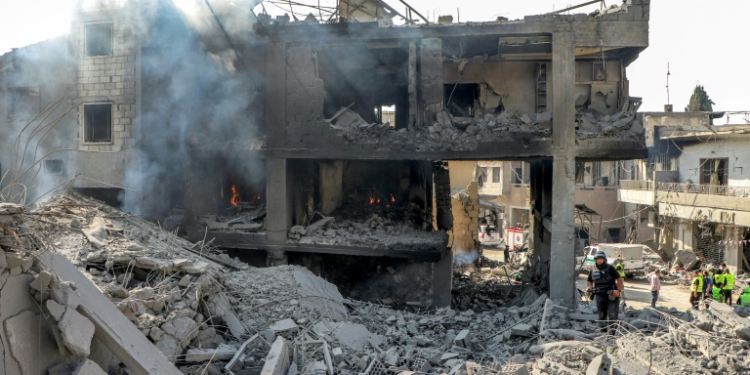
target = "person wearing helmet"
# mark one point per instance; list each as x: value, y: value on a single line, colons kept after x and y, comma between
x: 606, y: 285
x: 744, y: 299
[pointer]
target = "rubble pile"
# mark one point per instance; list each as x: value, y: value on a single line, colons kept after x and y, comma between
x: 375, y: 232
x: 249, y: 217
x: 41, y: 328
x: 450, y: 133
x: 209, y: 314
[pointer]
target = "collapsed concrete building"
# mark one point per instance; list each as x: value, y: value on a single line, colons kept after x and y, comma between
x: 323, y: 144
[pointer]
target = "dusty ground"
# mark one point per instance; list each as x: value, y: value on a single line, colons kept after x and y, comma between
x: 638, y: 294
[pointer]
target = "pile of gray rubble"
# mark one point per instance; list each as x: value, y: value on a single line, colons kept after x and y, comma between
x: 87, y: 289
x: 448, y: 133
x: 375, y: 232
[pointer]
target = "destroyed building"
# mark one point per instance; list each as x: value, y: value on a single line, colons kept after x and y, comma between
x: 319, y: 143
x: 689, y: 198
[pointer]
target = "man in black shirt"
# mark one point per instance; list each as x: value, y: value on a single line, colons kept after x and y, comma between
x: 606, y: 285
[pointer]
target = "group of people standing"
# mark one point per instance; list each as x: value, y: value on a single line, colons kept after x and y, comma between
x: 716, y: 284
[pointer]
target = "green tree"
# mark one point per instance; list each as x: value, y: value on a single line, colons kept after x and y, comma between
x: 699, y: 101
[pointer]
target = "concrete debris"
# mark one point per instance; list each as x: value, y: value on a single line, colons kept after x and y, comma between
x: 448, y: 133
x: 88, y: 367
x: 196, y: 311
x: 77, y: 332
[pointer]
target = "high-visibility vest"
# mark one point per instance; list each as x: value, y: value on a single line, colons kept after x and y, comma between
x: 745, y: 299
x: 728, y: 282
x: 621, y: 270
x: 697, y: 285
x: 718, y: 279
x: 717, y: 293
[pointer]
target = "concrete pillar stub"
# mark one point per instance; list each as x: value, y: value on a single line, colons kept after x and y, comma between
x: 562, y: 257
x: 276, y: 200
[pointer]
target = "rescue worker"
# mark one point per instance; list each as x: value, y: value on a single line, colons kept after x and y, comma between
x: 728, y: 286
x: 716, y: 292
x: 696, y: 289
x: 744, y: 298
x: 620, y: 269
x: 719, y: 278
x: 606, y: 285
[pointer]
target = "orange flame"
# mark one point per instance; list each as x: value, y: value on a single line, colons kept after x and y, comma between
x: 393, y: 200
x: 372, y: 200
x: 235, y: 196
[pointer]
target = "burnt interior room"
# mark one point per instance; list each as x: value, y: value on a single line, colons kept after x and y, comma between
x: 228, y: 190
x: 355, y: 190
x: 367, y: 76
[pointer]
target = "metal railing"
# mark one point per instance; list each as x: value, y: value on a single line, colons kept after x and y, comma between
x: 733, y: 191
x: 636, y: 184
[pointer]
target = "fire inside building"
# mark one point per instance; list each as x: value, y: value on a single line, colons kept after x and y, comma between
x: 327, y: 143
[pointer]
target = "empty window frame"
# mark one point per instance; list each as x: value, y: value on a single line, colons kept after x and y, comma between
x: 496, y: 174
x: 97, y: 123
x: 520, y: 173
x: 99, y: 39
x: 714, y: 171
x: 54, y: 166
x: 24, y: 101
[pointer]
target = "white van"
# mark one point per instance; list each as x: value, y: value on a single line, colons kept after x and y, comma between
x: 630, y: 255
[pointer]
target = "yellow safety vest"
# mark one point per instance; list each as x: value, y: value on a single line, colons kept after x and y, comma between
x: 718, y: 279
x: 728, y: 282
x: 697, y: 285
x: 621, y: 270
x: 745, y: 299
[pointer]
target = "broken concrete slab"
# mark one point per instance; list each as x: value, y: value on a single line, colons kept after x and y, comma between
x: 222, y: 308
x: 77, y: 332
x: 539, y: 349
x: 277, y: 361
x: 726, y: 314
x: 687, y: 258
x: 30, y: 335
x: 284, y: 326
x: 41, y: 282
x: 88, y: 367
x: 222, y: 353
x: 113, y: 329
x: 522, y: 330
x: 463, y: 339
x: 55, y: 309
x: 600, y: 365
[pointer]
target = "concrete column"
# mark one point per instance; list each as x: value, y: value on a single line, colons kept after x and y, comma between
x: 562, y: 259
x: 431, y: 78
x: 442, y: 280
x: 412, y: 88
x: 277, y: 208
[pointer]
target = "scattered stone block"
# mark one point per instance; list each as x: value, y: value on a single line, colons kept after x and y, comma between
x: 88, y: 367
x: 222, y: 353
x: 463, y: 339
x: 284, y: 326
x: 277, y: 360
x: 600, y: 365
x: 77, y: 332
x: 41, y: 282
x: 514, y: 369
x: 522, y: 330
x: 55, y: 309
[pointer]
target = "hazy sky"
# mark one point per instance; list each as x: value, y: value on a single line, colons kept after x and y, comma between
x: 701, y: 40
